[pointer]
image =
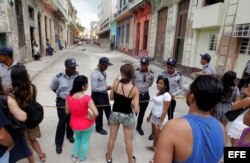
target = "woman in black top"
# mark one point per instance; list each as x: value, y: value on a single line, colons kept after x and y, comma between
x: 124, y: 95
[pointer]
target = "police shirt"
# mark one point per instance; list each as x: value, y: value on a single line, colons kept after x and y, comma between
x: 248, y: 67
x: 62, y: 84
x: 208, y: 69
x: 98, y: 81
x: 5, y: 74
x: 175, y: 82
x: 143, y: 80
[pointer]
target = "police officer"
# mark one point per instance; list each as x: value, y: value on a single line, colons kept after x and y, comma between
x: 62, y: 84
x: 6, y: 64
x: 207, y: 67
x: 175, y: 83
x: 144, y: 79
x: 99, y: 92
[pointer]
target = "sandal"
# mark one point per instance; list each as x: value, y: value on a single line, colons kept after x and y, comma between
x: 151, y: 161
x: 151, y: 148
x: 42, y: 157
x: 108, y: 160
x: 134, y: 159
x: 73, y: 158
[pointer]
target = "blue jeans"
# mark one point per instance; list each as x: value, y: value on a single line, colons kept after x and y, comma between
x: 5, y: 157
x: 82, y: 142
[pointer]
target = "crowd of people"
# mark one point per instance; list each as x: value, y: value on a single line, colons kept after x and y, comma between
x: 201, y: 133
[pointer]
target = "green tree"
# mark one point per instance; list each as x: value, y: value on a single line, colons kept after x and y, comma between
x: 80, y: 27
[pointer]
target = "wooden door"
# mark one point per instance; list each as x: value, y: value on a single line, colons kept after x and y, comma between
x: 161, y: 34
x: 181, y: 30
x: 137, y: 39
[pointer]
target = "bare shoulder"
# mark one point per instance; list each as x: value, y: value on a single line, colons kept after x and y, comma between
x: 176, y: 126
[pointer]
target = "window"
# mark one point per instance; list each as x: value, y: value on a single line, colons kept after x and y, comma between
x: 127, y: 33
x: 3, y: 39
x: 124, y: 2
x: 213, y: 42
x: 211, y: 2
x: 121, y: 4
x: 145, y: 35
x: 245, y: 46
x: 31, y: 13
x: 242, y: 30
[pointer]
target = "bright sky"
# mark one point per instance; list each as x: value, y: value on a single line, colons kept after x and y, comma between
x: 87, y: 10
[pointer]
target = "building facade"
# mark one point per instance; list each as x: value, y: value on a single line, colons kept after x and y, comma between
x: 38, y: 20
x: 104, y: 10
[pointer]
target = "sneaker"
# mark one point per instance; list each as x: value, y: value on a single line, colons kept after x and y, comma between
x: 73, y: 158
x: 82, y: 161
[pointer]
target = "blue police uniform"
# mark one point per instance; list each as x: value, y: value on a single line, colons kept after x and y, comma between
x: 99, y: 95
x: 143, y: 81
x: 61, y: 85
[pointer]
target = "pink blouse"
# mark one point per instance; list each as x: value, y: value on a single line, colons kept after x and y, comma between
x: 79, y: 112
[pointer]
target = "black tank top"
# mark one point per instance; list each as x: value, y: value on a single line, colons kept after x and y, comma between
x: 122, y: 103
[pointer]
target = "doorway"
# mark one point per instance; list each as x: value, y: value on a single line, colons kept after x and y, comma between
x: 181, y: 30
x: 161, y: 34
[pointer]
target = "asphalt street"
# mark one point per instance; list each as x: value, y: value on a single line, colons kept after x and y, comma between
x: 87, y: 57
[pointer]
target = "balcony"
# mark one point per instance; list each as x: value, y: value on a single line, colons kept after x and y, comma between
x: 208, y: 16
x: 61, y: 12
x: 50, y: 4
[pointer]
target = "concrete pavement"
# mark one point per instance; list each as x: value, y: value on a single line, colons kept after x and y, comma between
x: 87, y: 57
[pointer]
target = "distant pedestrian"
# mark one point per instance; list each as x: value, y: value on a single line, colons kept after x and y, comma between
x: 125, y: 95
x: 37, y: 54
x: 99, y: 93
x: 207, y: 69
x: 143, y: 80
x: 82, y: 121
x: 62, y: 84
x: 196, y: 137
x: 6, y: 64
x: 49, y: 49
x: 60, y: 44
x: 161, y: 104
x: 245, y: 75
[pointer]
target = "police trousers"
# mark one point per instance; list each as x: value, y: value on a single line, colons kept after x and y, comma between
x: 63, y: 123
x: 171, y: 109
x: 101, y: 101
x: 143, y: 103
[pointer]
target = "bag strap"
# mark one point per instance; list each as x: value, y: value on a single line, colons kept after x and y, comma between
x: 3, y: 99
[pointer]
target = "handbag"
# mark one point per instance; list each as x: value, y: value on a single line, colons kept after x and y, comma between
x: 14, y: 123
x: 232, y: 115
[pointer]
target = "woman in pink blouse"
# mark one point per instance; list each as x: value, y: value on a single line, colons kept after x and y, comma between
x: 82, y: 116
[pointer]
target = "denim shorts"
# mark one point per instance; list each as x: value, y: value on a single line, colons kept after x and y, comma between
x: 127, y: 120
x: 155, y: 120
